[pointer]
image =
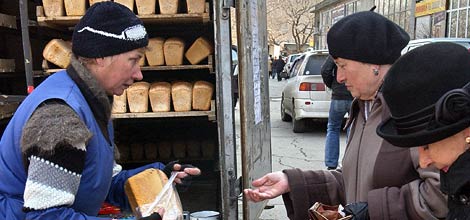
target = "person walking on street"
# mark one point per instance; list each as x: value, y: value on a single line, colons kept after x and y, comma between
x: 378, y: 181
x: 430, y: 110
x: 57, y: 154
x: 278, y: 66
x: 340, y: 103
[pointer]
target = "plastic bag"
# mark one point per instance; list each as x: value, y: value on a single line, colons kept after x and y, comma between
x: 167, y: 199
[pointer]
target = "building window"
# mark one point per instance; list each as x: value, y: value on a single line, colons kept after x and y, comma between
x: 458, y: 19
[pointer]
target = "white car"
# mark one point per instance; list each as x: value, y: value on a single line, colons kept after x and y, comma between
x: 465, y: 42
x: 305, y: 96
x: 289, y: 62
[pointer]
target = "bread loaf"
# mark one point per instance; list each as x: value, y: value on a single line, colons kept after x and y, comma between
x: 128, y: 3
x: 195, y: 6
x: 58, y: 52
x: 173, y: 48
x: 75, y: 7
x: 142, y: 60
x: 154, y: 53
x: 160, y: 96
x: 137, y: 97
x: 120, y: 103
x: 145, y: 7
x: 179, y: 148
x: 144, y: 187
x: 96, y: 1
x: 193, y: 147
x: 168, y: 6
x: 151, y: 151
x: 181, y: 94
x: 202, y: 95
x: 53, y: 8
x: 208, y: 148
x: 199, y: 50
x: 164, y: 149
x: 137, y: 151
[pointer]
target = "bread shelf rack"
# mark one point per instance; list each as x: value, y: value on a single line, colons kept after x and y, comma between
x: 209, y: 114
x: 61, y: 22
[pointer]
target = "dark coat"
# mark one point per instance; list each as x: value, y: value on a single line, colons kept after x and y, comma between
x: 278, y: 65
x: 328, y: 73
x: 456, y: 184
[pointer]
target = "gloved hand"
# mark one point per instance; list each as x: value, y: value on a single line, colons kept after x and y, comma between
x: 186, y: 181
x: 153, y: 216
x: 359, y: 211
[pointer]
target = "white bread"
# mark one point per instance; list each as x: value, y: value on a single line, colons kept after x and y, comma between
x: 160, y: 96
x: 181, y: 94
x: 151, y: 151
x: 208, y: 148
x: 199, y: 50
x: 137, y: 151
x: 154, y: 54
x: 96, y: 1
x: 179, y: 148
x: 128, y: 3
x: 58, y: 52
x: 75, y: 7
x: 143, y: 188
x: 120, y: 103
x: 193, y: 148
x: 53, y: 8
x: 142, y: 61
x: 168, y: 6
x: 164, y: 149
x: 195, y: 6
x: 173, y: 48
x: 202, y: 95
x: 137, y: 97
x: 145, y: 7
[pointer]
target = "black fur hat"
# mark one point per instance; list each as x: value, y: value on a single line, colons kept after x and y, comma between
x: 367, y: 37
x: 107, y: 29
x: 428, y: 93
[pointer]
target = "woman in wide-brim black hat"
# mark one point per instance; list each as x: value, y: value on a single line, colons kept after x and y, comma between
x: 428, y: 93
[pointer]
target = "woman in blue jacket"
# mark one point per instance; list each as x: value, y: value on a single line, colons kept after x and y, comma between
x: 57, y: 155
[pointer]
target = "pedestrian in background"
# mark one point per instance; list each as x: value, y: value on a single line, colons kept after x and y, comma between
x: 340, y: 103
x: 278, y: 66
x: 57, y: 154
x: 378, y: 181
x: 430, y: 109
x: 270, y: 65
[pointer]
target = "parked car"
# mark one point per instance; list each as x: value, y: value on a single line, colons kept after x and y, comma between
x: 465, y: 42
x: 305, y: 96
x: 290, y: 59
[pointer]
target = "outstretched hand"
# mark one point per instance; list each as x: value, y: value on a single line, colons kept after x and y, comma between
x: 269, y: 186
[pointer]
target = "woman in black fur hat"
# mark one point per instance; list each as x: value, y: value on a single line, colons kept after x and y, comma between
x: 378, y: 180
x: 428, y: 91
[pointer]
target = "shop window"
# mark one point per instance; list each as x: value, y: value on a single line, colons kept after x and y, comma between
x: 462, y: 23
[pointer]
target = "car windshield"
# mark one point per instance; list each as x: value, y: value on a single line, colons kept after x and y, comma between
x: 292, y: 57
x: 313, y: 66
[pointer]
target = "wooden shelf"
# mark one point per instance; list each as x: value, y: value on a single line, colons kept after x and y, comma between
x: 70, y: 21
x: 9, y: 104
x: 210, y: 114
x: 7, y: 65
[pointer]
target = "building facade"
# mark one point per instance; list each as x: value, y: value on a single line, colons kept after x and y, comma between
x: 421, y: 19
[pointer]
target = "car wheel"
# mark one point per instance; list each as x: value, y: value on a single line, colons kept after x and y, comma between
x: 298, y: 126
x: 284, y: 115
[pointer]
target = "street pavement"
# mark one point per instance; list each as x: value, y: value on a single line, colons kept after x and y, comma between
x: 289, y: 149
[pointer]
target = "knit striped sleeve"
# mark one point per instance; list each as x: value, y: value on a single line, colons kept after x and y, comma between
x: 54, y: 158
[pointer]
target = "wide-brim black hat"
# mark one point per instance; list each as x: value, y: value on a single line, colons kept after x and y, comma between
x: 428, y: 94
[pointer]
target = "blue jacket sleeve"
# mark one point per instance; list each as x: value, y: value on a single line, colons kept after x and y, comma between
x: 117, y: 195
x: 59, y: 213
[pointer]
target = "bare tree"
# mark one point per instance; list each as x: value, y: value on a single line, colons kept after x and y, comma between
x: 300, y: 20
